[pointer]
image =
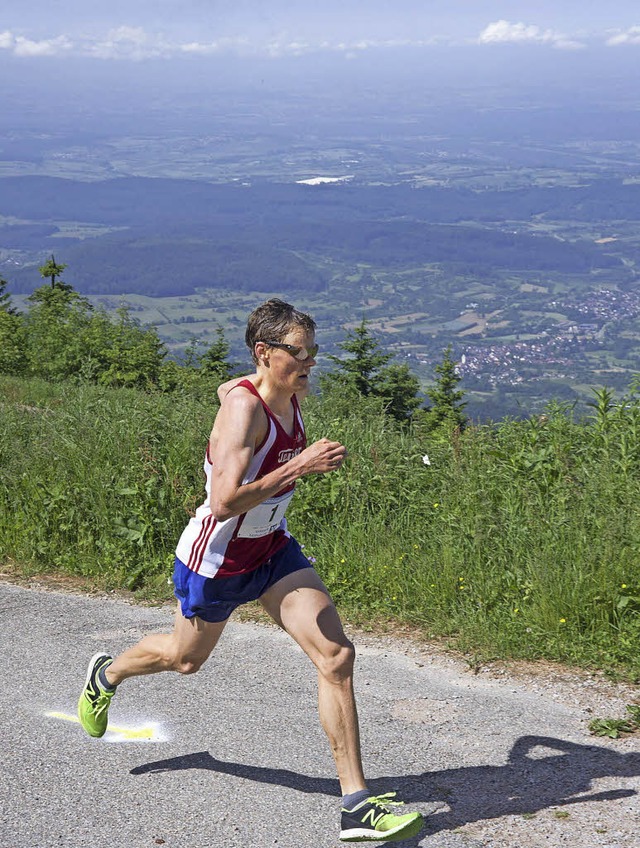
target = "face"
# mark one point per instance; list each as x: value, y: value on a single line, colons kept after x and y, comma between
x: 287, y: 370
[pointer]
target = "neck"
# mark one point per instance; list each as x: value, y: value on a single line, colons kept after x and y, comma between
x: 277, y: 399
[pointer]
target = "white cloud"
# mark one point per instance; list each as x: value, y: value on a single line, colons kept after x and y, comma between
x: 631, y: 36
x: 137, y: 44
x: 350, y: 49
x: 127, y: 42
x: 19, y: 45
x: 7, y: 40
x: 47, y: 47
x: 221, y: 45
x: 505, y: 32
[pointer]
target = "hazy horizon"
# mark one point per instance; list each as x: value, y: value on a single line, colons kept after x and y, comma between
x: 461, y: 42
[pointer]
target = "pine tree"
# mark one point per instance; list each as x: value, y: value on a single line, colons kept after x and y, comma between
x: 51, y: 270
x: 135, y: 355
x: 5, y: 298
x: 367, y: 371
x: 56, y: 325
x: 445, y: 396
x: 365, y: 361
x: 398, y: 387
x: 214, y: 362
x: 13, y: 356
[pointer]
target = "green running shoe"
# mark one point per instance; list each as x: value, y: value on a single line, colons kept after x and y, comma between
x: 372, y: 821
x: 94, y: 702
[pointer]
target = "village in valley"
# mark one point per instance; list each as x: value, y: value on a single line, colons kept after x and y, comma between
x: 559, y: 346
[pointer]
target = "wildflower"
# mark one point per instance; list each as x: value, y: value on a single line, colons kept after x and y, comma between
x: 516, y: 610
x: 312, y: 559
x: 623, y: 586
x: 563, y: 621
x: 416, y: 547
x: 426, y: 460
x: 343, y: 559
x: 436, y: 505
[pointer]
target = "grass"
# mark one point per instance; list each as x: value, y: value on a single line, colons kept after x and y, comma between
x: 518, y: 540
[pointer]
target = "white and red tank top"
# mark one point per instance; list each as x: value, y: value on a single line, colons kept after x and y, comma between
x: 243, y: 543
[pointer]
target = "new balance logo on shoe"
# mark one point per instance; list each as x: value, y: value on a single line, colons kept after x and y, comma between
x: 373, y: 821
x: 371, y: 814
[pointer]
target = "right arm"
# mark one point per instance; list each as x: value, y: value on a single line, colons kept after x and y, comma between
x: 225, y: 388
x: 239, y: 428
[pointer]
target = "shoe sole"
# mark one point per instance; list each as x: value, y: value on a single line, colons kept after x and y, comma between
x: 403, y: 831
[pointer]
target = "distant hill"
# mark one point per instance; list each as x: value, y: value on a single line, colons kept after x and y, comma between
x: 178, y: 235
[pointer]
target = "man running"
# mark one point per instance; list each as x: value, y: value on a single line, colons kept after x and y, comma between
x: 237, y: 549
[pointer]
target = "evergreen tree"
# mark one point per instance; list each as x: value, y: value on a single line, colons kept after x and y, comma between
x: 13, y: 343
x: 65, y: 337
x: 199, y: 373
x: 51, y: 270
x: 13, y: 358
x: 214, y: 362
x: 5, y: 298
x: 446, y: 399
x: 398, y: 387
x: 135, y: 355
x: 363, y: 365
x: 365, y: 370
x: 57, y: 327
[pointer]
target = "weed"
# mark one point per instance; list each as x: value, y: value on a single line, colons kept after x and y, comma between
x: 616, y: 727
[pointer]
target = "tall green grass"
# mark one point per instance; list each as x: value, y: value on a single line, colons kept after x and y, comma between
x: 98, y: 482
x: 517, y: 540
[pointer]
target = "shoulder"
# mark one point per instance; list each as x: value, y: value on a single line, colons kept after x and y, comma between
x: 241, y: 412
x: 241, y: 401
x: 225, y: 388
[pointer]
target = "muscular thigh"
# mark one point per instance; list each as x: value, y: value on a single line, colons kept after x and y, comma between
x: 194, y: 638
x: 301, y: 604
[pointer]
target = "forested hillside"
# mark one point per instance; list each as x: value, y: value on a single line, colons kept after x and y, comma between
x: 269, y: 235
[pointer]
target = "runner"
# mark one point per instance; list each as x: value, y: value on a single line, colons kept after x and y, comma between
x: 237, y: 548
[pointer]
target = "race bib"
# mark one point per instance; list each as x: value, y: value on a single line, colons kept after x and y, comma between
x: 265, y: 518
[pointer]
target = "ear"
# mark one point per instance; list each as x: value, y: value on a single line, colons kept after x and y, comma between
x: 261, y: 351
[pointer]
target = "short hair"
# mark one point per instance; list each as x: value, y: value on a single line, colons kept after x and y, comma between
x: 272, y: 321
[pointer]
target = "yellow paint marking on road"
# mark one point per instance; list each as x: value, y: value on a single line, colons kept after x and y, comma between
x: 148, y: 732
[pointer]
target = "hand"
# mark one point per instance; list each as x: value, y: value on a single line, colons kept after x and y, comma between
x: 322, y: 456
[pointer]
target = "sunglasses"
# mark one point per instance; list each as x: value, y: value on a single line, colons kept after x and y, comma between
x: 299, y: 353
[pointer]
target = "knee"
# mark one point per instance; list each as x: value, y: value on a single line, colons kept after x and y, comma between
x: 186, y: 664
x: 337, y: 665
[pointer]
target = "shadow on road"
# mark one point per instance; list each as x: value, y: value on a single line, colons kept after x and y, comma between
x: 530, y: 781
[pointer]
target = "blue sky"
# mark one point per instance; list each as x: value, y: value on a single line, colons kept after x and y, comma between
x: 145, y: 29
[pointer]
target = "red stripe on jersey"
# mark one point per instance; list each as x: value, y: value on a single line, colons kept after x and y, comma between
x: 200, y: 545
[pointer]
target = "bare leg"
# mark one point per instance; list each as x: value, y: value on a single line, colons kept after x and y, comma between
x: 183, y: 650
x: 301, y: 605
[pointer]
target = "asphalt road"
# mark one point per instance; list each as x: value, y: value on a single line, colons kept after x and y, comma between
x: 234, y: 756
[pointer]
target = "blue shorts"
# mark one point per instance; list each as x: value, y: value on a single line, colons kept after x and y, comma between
x: 215, y: 598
